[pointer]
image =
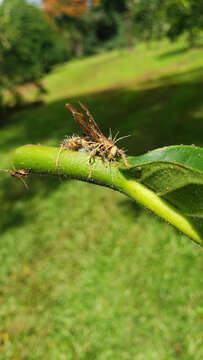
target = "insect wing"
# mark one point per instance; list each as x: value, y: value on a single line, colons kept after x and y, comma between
x: 78, y: 117
x: 91, y: 120
x: 89, y: 125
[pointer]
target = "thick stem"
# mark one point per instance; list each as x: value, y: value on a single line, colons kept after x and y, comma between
x: 41, y: 159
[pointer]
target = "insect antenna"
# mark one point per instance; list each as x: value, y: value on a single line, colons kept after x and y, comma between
x: 114, y: 139
x: 123, y: 137
x: 5, y: 170
x: 110, y: 134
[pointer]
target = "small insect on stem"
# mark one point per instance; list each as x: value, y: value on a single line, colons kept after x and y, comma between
x: 20, y: 174
x: 94, y: 142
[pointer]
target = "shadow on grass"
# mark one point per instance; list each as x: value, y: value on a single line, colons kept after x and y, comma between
x: 180, y: 51
x: 16, y: 201
x: 175, y: 52
x: 167, y: 111
x: 130, y: 208
x: 164, y: 112
x: 6, y: 111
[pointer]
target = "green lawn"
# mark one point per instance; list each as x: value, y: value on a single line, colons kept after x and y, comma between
x: 86, y: 273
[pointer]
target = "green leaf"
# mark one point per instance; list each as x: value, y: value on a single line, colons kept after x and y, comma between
x: 174, y: 173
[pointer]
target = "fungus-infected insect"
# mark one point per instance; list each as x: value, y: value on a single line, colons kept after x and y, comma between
x: 94, y: 141
x: 20, y: 174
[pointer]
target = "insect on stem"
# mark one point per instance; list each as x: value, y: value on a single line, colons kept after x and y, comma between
x: 20, y: 174
x: 93, y: 141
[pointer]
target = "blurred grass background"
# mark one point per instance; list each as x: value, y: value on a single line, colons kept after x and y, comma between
x: 85, y: 272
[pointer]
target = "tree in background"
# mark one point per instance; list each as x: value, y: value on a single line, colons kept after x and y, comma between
x: 29, y: 44
x: 33, y: 39
x: 88, y: 24
x: 73, y: 8
x: 155, y: 19
x: 185, y: 16
x: 148, y: 18
x: 109, y: 21
x: 69, y: 16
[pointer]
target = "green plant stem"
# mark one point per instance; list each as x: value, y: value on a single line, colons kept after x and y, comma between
x: 41, y: 159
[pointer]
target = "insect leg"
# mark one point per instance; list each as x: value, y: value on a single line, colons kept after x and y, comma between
x: 124, y: 158
x: 92, y: 156
x: 96, y: 147
x: 59, y: 153
x: 16, y: 174
x: 23, y: 181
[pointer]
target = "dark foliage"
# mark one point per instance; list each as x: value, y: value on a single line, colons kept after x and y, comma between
x: 29, y: 44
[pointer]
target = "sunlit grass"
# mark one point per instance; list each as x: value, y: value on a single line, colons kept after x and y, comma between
x: 85, y: 272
